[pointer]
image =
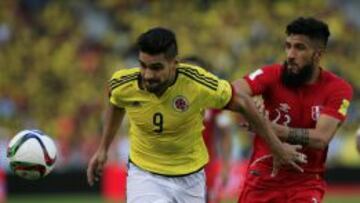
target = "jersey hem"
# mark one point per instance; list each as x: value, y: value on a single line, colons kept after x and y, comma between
x: 167, y: 175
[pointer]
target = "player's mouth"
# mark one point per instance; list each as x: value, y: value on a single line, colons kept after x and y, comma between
x: 293, y: 68
x: 151, y: 85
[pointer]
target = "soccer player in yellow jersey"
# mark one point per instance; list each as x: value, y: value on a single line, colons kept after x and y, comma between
x: 164, y: 101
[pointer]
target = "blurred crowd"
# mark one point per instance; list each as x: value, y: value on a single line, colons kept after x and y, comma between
x: 56, y: 58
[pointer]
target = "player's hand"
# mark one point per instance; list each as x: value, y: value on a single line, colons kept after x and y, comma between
x: 95, y: 167
x: 289, y: 156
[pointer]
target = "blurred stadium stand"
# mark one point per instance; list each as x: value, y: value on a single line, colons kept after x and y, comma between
x: 56, y: 57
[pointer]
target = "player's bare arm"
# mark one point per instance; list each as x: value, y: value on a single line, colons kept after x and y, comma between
x: 241, y: 85
x: 243, y: 103
x: 114, y: 116
x: 319, y: 137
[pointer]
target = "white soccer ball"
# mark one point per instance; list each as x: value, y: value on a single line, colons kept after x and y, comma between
x: 32, y: 154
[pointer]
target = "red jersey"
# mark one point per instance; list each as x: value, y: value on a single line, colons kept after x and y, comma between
x: 296, y: 108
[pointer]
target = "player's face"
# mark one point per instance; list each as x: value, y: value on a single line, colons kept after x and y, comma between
x: 157, y: 72
x: 300, y: 60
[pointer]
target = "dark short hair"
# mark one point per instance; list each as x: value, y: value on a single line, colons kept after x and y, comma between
x: 310, y: 27
x: 158, y: 40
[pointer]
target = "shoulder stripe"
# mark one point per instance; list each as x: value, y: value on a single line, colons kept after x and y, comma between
x: 203, y: 82
x: 114, y: 80
x: 121, y: 83
x: 117, y: 82
x: 200, y: 76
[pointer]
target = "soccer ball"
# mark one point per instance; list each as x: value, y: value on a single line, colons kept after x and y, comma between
x: 32, y: 154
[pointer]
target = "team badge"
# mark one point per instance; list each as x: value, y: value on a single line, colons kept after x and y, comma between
x: 180, y: 103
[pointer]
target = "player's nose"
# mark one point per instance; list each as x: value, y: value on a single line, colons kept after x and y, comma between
x: 148, y: 74
x: 291, y: 54
x: 291, y: 61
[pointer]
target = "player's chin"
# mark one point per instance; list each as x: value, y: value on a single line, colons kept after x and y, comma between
x: 152, y: 88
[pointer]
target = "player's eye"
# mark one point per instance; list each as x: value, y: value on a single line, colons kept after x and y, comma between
x: 142, y: 65
x: 300, y: 46
x: 287, y: 46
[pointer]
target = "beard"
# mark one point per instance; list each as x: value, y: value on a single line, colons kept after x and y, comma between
x: 155, y: 86
x: 293, y: 80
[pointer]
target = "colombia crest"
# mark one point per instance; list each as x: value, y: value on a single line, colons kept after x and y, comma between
x: 180, y: 103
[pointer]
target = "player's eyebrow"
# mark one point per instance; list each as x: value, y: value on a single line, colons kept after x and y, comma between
x: 151, y: 64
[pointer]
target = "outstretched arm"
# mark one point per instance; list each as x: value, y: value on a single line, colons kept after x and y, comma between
x: 113, y: 119
x: 243, y: 103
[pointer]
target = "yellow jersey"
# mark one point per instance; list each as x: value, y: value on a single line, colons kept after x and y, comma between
x: 166, y: 132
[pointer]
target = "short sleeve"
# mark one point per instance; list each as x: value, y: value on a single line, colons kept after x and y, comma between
x: 119, y: 84
x: 338, y: 102
x: 114, y: 94
x: 221, y: 96
x: 262, y: 78
x: 211, y: 91
x: 116, y: 101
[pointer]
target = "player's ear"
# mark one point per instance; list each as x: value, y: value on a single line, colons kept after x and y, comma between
x: 176, y: 61
x: 319, y: 50
x: 318, y: 54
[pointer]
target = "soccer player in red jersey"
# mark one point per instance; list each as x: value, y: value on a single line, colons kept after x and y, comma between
x: 306, y: 104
